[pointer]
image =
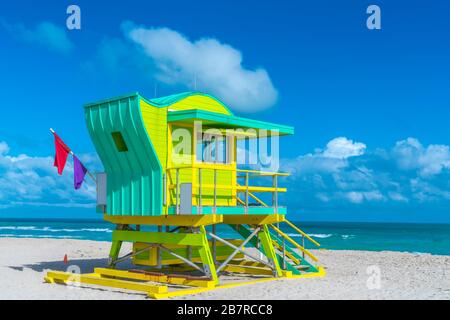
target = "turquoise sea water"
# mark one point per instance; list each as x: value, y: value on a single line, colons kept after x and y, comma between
x: 419, y: 238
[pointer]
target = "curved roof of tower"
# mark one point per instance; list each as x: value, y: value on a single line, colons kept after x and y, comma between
x: 174, y: 98
x: 190, y: 114
x: 166, y: 101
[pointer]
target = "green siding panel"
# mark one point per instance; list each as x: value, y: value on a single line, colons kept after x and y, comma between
x: 134, y: 177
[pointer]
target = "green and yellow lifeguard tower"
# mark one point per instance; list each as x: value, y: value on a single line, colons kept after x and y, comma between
x: 173, y: 187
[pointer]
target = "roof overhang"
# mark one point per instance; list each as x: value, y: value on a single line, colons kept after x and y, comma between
x: 222, y: 121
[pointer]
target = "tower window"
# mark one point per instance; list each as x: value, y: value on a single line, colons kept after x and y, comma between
x: 119, y: 141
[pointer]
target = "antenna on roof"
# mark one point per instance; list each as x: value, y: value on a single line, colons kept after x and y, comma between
x: 195, y: 81
x: 156, y: 89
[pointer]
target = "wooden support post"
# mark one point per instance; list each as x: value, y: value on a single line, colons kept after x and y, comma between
x: 214, y: 244
x: 275, y: 193
x: 215, y: 192
x: 165, y: 190
x: 269, y: 251
x: 246, y: 192
x: 199, y: 209
x: 303, y: 245
x: 205, y: 255
x: 177, y: 182
x: 114, y: 253
x: 159, y: 252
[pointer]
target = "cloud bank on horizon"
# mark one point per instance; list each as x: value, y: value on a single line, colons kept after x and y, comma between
x: 345, y: 174
x: 33, y: 181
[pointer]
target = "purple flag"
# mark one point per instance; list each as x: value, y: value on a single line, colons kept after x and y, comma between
x: 79, y: 171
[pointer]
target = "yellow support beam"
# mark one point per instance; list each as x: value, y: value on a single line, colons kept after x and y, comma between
x: 248, y: 270
x: 231, y: 187
x: 187, y: 220
x: 178, y: 280
x: 257, y: 219
x: 95, y: 279
x: 248, y: 263
x: 260, y: 189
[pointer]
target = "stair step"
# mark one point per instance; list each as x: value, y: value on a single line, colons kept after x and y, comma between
x: 302, y: 267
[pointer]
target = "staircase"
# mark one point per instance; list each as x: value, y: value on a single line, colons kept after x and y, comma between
x: 291, y: 255
x: 290, y: 259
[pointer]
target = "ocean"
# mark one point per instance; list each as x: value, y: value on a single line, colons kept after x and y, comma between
x: 406, y: 237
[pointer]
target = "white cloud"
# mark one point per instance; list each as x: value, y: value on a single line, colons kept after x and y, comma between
x: 397, y: 197
x: 28, y: 180
x: 355, y: 197
x: 4, y: 148
x: 343, y: 148
x: 429, y: 161
x: 345, y: 172
x: 332, y: 158
x: 215, y: 66
x: 360, y: 196
x: 46, y: 34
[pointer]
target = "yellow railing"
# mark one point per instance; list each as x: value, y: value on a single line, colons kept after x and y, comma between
x: 198, y: 187
x: 298, y: 246
x: 293, y: 226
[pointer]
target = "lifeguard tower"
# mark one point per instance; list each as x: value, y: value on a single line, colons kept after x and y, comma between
x: 173, y: 188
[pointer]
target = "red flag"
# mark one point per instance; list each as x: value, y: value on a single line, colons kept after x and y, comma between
x: 62, y: 151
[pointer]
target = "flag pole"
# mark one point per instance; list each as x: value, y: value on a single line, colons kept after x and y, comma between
x: 71, y: 152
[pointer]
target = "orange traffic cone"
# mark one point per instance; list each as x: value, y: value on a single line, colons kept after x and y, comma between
x: 65, y: 259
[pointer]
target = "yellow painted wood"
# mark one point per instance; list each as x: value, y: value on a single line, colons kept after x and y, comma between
x: 154, y: 278
x: 188, y: 168
x: 206, y: 256
x: 168, y: 220
x: 260, y: 189
x: 208, y: 188
x: 94, y: 279
x: 248, y: 270
x: 200, y: 102
x: 155, y: 121
x: 254, y: 219
x: 248, y: 263
x: 269, y: 251
x: 178, y: 293
x: 225, y: 190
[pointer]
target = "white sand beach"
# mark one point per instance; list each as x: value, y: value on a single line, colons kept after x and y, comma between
x: 23, y: 263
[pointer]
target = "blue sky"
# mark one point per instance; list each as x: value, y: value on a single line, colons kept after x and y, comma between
x: 370, y: 107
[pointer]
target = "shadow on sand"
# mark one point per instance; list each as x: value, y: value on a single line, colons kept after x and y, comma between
x: 84, y: 265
